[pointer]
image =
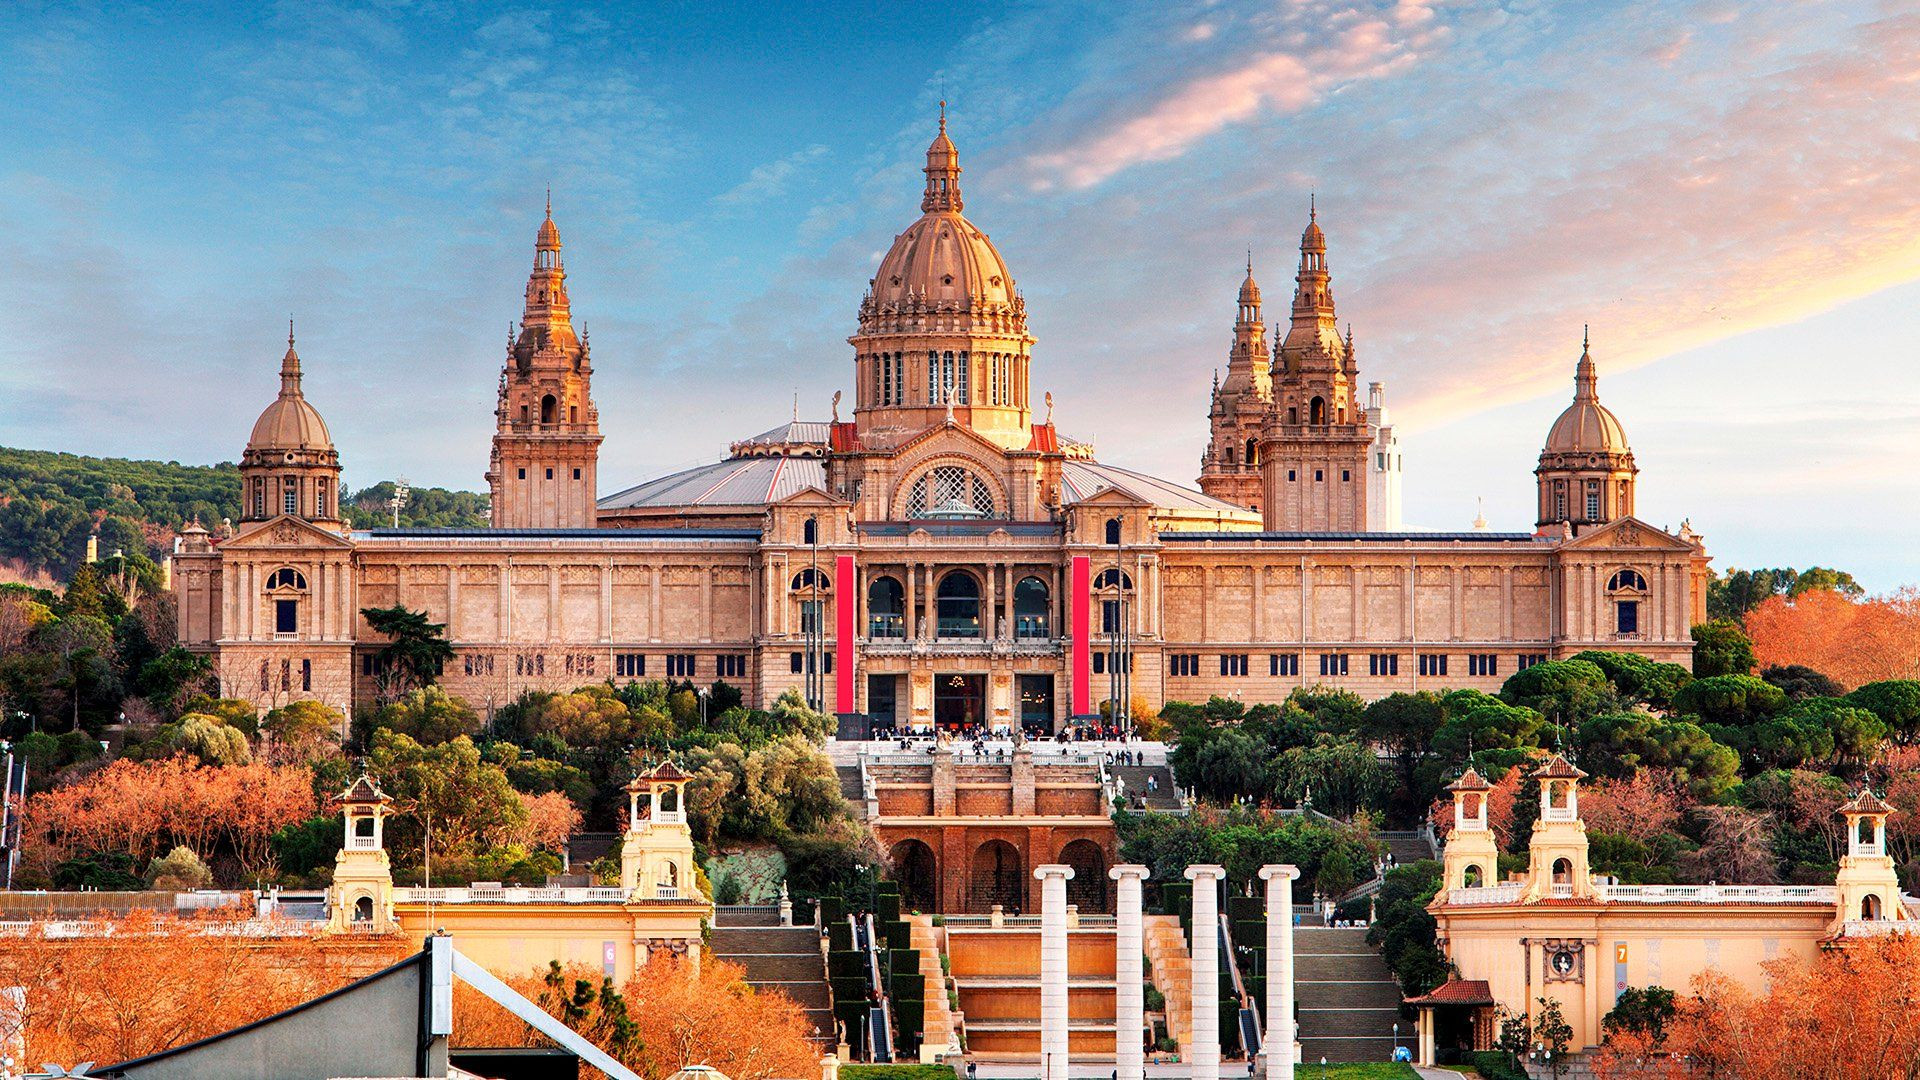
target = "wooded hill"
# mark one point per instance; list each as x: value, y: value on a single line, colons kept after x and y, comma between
x: 50, y: 502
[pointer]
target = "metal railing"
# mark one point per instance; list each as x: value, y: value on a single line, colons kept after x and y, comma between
x: 516, y: 895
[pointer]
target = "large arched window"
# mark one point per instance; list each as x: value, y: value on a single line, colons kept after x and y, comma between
x: 807, y: 579
x: 1113, y: 531
x: 949, y: 491
x: 287, y: 578
x: 958, y: 601
x: 1627, y: 589
x: 1317, y: 411
x: 1032, y: 609
x: 284, y: 587
x: 547, y: 405
x: 886, y: 610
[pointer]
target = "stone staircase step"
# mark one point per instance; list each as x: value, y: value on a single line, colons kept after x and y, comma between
x: 733, y: 916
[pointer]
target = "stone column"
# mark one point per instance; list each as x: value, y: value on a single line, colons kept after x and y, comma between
x: 1205, y: 1051
x: 1053, y: 969
x: 1129, y: 1003
x: 1278, y: 1047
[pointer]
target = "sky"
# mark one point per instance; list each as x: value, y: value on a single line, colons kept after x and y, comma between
x: 1728, y: 194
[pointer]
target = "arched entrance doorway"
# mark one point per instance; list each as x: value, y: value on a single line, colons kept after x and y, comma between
x: 1088, y: 886
x: 914, y: 871
x: 998, y: 877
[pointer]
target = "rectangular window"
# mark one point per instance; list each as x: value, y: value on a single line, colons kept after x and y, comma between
x: 319, y: 498
x: 1318, y: 476
x: 264, y: 684
x: 1346, y: 475
x: 810, y: 616
x: 1102, y: 663
x: 306, y: 675
x: 730, y: 667
x: 1483, y: 664
x: 289, y: 497
x: 1292, y: 476
x: 523, y: 474
x: 286, y: 675
x: 549, y: 474
x: 1527, y: 660
x: 1333, y: 663
x: 1109, y: 616
x: 1626, y: 617
x: 1283, y: 664
x: 286, y: 616
x: 1433, y: 663
x: 1233, y: 664
x: 576, y: 474
x: 629, y: 665
x: 1185, y: 664
x: 1593, y: 502
x: 1383, y: 664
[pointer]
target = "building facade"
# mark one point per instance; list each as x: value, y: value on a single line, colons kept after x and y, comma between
x: 945, y: 556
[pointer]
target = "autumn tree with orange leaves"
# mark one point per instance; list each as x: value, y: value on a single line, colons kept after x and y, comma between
x: 1845, y: 1014
x: 1853, y: 641
x: 667, y: 1017
x: 147, y: 808
x: 156, y: 982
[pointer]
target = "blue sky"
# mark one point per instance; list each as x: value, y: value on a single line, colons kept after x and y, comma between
x: 1729, y: 194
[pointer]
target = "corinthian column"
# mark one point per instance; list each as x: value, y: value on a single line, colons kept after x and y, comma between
x: 1278, y: 1048
x: 1053, y: 969
x: 1206, y: 971
x: 1129, y: 1002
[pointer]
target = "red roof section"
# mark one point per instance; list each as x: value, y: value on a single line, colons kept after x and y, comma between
x: 845, y: 436
x: 1045, y: 440
x: 1457, y: 992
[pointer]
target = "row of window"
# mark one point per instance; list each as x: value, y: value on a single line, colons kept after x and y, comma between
x: 1346, y: 475
x: 799, y: 662
x: 523, y: 474
x: 1337, y: 664
x: 948, y: 378
x: 286, y: 675
x: 289, y: 496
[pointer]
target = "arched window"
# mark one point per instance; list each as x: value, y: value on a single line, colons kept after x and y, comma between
x: 810, y: 532
x: 1870, y: 907
x: 1562, y: 872
x: 1032, y: 609
x: 286, y: 578
x: 1472, y: 877
x: 886, y: 610
x: 547, y: 405
x: 1627, y: 579
x: 949, y: 491
x: 1253, y: 453
x: 363, y: 910
x: 1110, y: 577
x: 958, y: 603
x: 1317, y: 411
x: 809, y: 578
x: 1113, y: 530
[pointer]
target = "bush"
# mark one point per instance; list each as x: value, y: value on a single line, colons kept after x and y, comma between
x: 180, y: 871
x: 727, y: 890
x: 101, y: 871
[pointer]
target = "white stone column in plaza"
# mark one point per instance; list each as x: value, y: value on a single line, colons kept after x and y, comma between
x: 1053, y: 969
x: 1278, y: 1048
x: 1129, y: 1002
x: 1206, y: 971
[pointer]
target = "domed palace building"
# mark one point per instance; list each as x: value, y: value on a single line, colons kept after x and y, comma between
x: 940, y: 554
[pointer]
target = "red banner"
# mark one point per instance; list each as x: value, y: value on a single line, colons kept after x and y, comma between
x: 846, y: 606
x: 1082, y: 630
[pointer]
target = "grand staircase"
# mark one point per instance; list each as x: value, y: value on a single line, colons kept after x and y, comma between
x: 1348, y: 999
x: 1407, y: 846
x: 778, y: 958
x: 1162, y: 794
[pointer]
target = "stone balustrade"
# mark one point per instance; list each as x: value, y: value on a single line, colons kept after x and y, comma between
x: 515, y: 895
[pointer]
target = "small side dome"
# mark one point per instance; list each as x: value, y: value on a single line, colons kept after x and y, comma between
x: 1587, y: 427
x: 290, y: 422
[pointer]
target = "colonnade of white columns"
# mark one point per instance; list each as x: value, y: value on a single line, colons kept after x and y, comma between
x: 1205, y: 1051
x: 1130, y: 977
x: 1277, y: 1050
x: 1053, y: 969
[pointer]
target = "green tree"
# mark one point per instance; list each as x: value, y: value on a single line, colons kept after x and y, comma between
x: 209, y: 739
x: 1404, y: 932
x: 456, y: 804
x: 1343, y: 776
x: 1798, y: 681
x: 1721, y: 647
x: 1404, y: 725
x: 1642, y: 1012
x: 1563, y: 691
x: 1231, y: 764
x: 180, y: 870
x: 1896, y: 702
x: 429, y: 716
x: 415, y: 652
x: 1733, y: 700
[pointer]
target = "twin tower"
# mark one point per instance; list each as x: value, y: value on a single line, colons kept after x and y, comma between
x: 1292, y: 440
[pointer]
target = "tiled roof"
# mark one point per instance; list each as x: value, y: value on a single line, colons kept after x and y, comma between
x: 1866, y: 803
x: 1558, y: 768
x: 363, y: 790
x: 1457, y: 992
x: 1471, y: 780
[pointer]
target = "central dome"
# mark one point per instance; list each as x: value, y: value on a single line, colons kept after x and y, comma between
x: 290, y: 422
x: 943, y: 261
x: 1586, y: 426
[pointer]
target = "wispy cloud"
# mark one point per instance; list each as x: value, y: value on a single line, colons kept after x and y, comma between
x: 770, y: 180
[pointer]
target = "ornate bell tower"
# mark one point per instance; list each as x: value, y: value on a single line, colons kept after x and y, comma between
x: 1867, y: 889
x: 547, y: 442
x: 1230, y: 469
x: 1472, y: 857
x: 361, y: 897
x: 656, y: 854
x: 1557, y: 854
x: 1315, y: 447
